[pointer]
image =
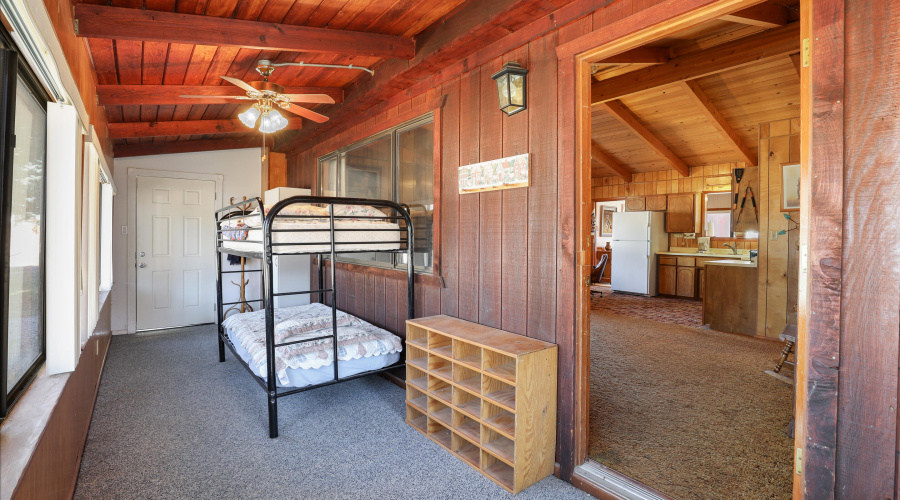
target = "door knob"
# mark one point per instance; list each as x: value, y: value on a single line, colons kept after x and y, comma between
x: 142, y: 265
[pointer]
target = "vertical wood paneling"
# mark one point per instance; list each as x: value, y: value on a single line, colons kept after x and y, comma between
x: 469, y: 217
x: 450, y: 200
x: 542, y: 198
x: 490, y: 221
x: 870, y: 294
x: 514, y: 233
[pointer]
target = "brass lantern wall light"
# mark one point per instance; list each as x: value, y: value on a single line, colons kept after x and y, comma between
x: 512, y: 88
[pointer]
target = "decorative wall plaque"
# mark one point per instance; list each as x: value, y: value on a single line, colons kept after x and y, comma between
x: 492, y: 175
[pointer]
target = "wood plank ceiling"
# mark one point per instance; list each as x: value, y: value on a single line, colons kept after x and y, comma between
x: 702, y: 101
x: 122, y: 62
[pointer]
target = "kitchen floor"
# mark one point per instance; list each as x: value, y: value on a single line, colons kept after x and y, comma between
x: 664, y: 310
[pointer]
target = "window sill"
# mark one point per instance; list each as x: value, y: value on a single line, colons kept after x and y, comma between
x: 23, y: 427
x: 421, y: 278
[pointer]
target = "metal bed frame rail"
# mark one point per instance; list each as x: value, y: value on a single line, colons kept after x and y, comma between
x: 267, y: 225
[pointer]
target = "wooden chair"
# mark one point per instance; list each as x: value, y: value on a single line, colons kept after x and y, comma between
x: 597, y: 272
x: 789, y: 336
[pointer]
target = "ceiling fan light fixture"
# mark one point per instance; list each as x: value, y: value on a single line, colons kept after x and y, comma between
x: 250, y: 116
x: 272, y: 122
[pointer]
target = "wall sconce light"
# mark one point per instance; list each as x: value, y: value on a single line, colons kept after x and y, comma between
x: 512, y: 90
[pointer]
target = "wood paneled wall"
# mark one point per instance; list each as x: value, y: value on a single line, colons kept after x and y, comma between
x: 779, y: 143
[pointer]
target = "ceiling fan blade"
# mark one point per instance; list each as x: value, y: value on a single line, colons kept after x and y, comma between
x: 305, y: 113
x: 212, y: 96
x: 316, y: 98
x: 239, y: 83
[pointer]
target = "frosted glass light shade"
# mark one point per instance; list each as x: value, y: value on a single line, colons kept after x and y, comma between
x: 249, y: 117
x: 272, y: 122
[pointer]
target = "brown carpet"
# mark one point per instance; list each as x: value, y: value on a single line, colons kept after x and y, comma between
x: 689, y: 411
x: 665, y: 310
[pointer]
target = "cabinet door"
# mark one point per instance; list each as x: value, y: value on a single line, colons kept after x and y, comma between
x: 656, y: 203
x: 685, y: 282
x: 701, y: 283
x: 634, y: 204
x: 680, y: 213
x: 667, y: 280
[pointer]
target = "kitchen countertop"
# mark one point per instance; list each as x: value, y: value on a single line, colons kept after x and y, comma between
x: 732, y: 263
x: 739, y: 256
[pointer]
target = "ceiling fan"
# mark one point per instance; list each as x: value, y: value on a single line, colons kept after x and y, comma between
x: 269, y: 96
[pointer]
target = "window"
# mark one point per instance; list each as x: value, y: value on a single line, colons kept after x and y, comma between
x: 22, y: 216
x: 718, y: 211
x: 398, y: 165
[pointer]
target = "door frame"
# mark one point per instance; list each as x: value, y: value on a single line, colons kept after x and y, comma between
x: 131, y: 259
x: 819, y: 339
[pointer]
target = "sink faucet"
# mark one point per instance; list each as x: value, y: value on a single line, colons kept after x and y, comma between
x: 732, y: 247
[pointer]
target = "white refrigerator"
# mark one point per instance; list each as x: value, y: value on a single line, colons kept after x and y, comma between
x: 636, y: 238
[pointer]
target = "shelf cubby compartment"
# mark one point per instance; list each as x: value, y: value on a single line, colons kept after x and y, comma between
x: 440, y: 367
x: 440, y: 344
x: 440, y: 433
x: 467, y: 378
x: 441, y: 412
x: 417, y: 398
x: 416, y: 336
x: 440, y: 389
x: 499, y: 366
x: 466, y: 426
x: 499, y: 393
x: 416, y: 357
x: 500, y: 472
x: 416, y: 418
x: 417, y: 377
x: 467, y: 403
x: 499, y: 419
x: 466, y: 450
x: 498, y: 445
x: 467, y: 354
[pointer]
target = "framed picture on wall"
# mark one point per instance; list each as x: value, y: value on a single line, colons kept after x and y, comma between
x: 790, y: 187
x: 606, y: 220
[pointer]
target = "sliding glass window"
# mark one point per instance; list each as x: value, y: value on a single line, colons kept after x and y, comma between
x: 398, y: 165
x: 23, y: 132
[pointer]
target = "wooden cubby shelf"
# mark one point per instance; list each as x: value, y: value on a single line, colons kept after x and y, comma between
x: 486, y: 395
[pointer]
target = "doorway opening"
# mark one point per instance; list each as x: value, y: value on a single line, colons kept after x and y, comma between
x: 703, y: 288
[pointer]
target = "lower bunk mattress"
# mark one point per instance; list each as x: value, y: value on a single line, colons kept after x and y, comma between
x: 361, y: 345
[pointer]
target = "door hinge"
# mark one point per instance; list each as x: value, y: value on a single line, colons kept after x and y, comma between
x: 805, y: 52
x: 798, y: 462
x: 76, y: 27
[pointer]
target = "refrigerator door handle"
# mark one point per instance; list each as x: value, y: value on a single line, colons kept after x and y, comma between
x: 648, y: 249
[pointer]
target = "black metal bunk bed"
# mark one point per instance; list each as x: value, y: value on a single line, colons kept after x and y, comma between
x: 239, y: 210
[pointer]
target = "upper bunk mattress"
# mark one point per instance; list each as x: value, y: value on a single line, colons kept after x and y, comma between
x: 356, y: 339
x: 365, y: 236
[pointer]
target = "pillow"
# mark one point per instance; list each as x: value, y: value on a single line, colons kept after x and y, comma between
x: 357, y: 211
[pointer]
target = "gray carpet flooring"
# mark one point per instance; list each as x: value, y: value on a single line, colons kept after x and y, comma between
x: 171, y: 422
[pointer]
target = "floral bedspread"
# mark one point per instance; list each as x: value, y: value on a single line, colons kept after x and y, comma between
x: 356, y: 338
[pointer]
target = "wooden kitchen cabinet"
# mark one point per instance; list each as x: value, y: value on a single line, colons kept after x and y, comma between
x: 667, y: 280
x: 680, y: 213
x: 634, y: 204
x: 701, y: 283
x: 684, y: 282
x: 655, y: 203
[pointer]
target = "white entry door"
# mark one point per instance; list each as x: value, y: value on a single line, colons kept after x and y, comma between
x: 175, y: 245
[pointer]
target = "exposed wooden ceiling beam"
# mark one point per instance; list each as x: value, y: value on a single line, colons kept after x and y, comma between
x: 627, y: 118
x: 187, y: 127
x: 767, y: 15
x: 100, y: 21
x: 795, y: 59
x: 606, y: 159
x: 693, y: 90
x: 126, y: 150
x: 640, y: 55
x: 764, y: 46
x: 118, y: 95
